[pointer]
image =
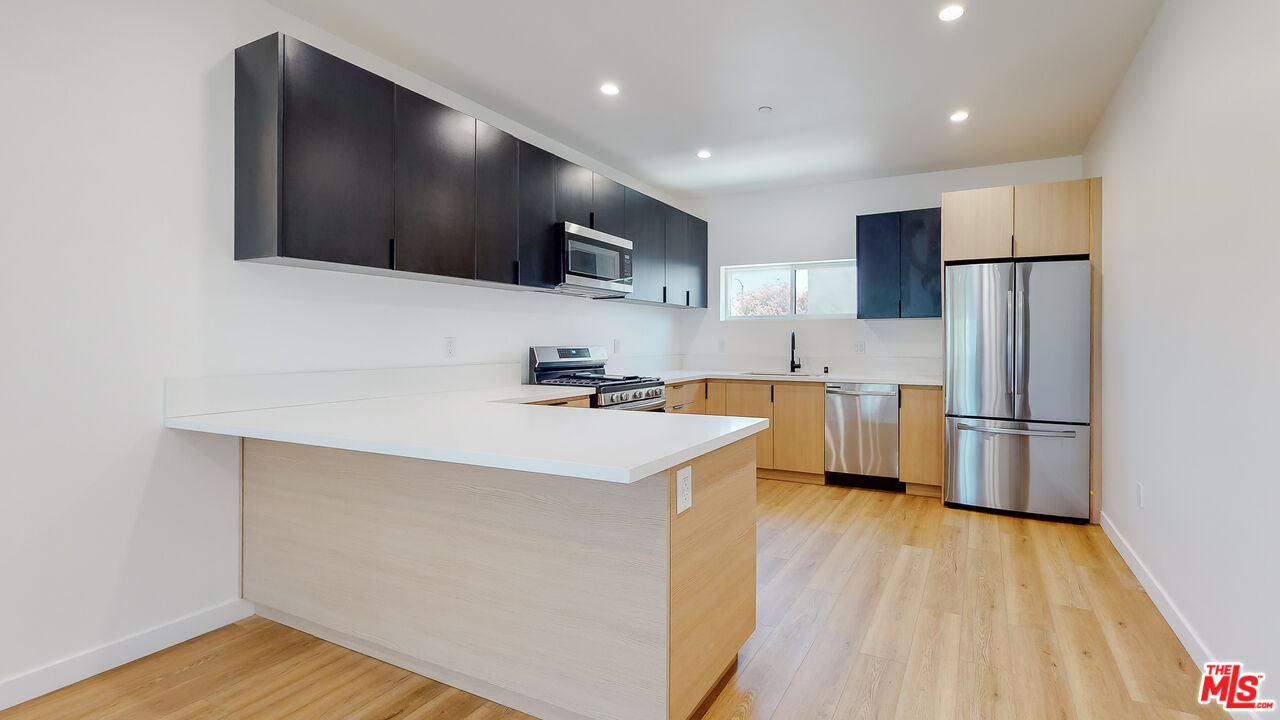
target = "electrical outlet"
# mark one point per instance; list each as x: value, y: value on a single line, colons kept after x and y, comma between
x: 860, y: 347
x: 1142, y: 502
x: 684, y: 489
x: 450, y: 347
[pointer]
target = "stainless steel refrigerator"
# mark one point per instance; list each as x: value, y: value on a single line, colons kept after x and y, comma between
x: 1017, y: 386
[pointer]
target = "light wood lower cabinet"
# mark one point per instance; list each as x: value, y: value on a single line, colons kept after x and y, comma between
x: 798, y: 420
x: 921, y: 439
x: 689, y: 397
x: 748, y: 399
x: 715, y: 398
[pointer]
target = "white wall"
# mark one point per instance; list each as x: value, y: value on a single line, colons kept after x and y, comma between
x: 116, y: 179
x: 1188, y: 151
x: 819, y: 222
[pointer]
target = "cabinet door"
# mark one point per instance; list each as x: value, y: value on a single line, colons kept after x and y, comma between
x: 645, y: 227
x: 435, y: 187
x: 753, y: 400
x: 696, y: 269
x: 540, y: 257
x: 337, y: 160
x: 921, y: 263
x: 608, y: 205
x: 977, y: 224
x: 878, y: 261
x: 1051, y: 219
x: 799, y: 413
x: 715, y: 398
x: 573, y: 193
x: 497, y: 205
x: 678, y: 290
x: 921, y: 432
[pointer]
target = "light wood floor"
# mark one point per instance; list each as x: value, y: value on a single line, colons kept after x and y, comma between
x: 871, y: 605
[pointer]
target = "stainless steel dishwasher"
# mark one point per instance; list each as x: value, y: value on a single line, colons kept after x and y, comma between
x: 862, y: 429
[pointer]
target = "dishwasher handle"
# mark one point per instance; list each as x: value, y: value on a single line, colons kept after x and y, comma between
x: 860, y: 393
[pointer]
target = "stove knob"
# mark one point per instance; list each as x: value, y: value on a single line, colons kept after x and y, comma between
x: 615, y: 397
x: 623, y: 396
x: 655, y: 392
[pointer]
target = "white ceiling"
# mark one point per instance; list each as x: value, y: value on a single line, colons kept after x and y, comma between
x: 860, y: 88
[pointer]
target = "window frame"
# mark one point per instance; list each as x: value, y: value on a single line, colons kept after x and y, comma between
x: 792, y: 267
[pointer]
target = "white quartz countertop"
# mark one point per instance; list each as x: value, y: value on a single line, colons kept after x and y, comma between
x: 678, y: 376
x: 492, y: 428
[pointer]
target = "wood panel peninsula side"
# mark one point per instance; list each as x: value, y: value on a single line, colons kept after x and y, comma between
x: 563, y: 597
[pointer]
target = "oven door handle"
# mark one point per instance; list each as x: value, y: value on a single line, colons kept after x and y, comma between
x: 639, y: 405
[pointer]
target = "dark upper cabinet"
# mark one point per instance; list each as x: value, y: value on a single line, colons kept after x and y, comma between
x: 336, y: 164
x: 572, y: 192
x: 696, y: 272
x: 497, y: 205
x: 646, y: 228
x: 540, y: 259
x: 899, y: 260
x: 608, y: 205
x: 435, y: 190
x: 878, y: 258
x: 922, y: 263
x: 314, y: 156
x: 679, y: 277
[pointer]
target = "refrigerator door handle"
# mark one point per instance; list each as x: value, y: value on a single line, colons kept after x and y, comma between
x: 1065, y: 434
x: 1011, y: 378
x: 1021, y: 360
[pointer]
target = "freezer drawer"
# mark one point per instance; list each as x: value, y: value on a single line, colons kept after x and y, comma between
x: 1040, y: 468
x: 862, y: 429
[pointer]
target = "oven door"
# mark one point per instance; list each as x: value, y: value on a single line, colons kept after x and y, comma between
x: 596, y: 261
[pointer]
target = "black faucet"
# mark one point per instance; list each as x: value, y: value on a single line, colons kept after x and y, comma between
x: 794, y: 365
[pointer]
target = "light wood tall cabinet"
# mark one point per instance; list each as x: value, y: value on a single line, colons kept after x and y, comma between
x: 921, y: 433
x: 798, y: 420
x: 1044, y: 220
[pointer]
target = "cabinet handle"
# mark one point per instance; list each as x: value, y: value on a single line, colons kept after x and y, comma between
x: 664, y: 293
x: 517, y: 264
x: 770, y: 393
x: 677, y: 407
x: 686, y: 298
x: 591, y: 219
x: 391, y: 248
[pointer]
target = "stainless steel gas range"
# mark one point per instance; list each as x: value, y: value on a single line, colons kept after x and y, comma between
x: 583, y: 366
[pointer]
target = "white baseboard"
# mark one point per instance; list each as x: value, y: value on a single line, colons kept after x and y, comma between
x: 1168, y: 608
x: 1190, y: 639
x: 60, y: 673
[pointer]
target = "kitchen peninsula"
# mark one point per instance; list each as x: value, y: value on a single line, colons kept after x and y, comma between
x: 527, y: 553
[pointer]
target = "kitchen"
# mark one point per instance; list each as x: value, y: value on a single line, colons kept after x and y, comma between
x: 806, y: 532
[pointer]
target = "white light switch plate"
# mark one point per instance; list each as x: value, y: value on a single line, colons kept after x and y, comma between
x: 684, y: 489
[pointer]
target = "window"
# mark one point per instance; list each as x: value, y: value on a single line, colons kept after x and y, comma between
x: 809, y: 289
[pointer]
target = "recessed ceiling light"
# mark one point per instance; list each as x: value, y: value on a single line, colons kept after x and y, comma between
x: 609, y: 89
x: 765, y: 109
x: 951, y: 12
x: 959, y: 116
x: 704, y: 154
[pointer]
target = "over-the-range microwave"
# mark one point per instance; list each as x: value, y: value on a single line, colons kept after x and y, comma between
x: 596, y: 264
